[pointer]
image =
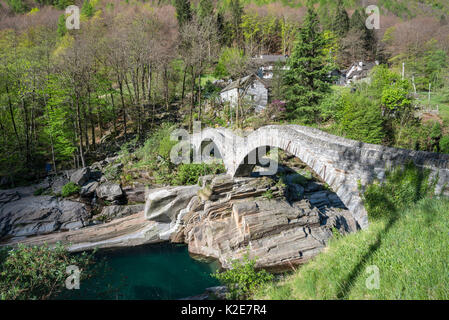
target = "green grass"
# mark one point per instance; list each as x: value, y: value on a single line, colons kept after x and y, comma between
x: 411, y: 252
x: 407, y: 240
x: 437, y: 99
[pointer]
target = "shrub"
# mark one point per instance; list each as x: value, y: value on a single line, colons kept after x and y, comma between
x: 39, y: 272
x: 242, y: 280
x: 70, y: 188
x: 188, y: 174
x: 361, y: 119
x: 402, y: 187
x: 444, y: 144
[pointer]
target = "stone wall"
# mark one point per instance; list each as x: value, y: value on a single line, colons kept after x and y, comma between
x: 342, y: 163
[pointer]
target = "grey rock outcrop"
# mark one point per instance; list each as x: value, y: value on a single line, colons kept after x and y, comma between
x: 114, y: 212
x: 58, y: 183
x: 40, y: 215
x: 109, y: 191
x: 88, y: 190
x: 80, y: 176
x: 278, y: 232
x: 164, y: 204
x: 135, y: 194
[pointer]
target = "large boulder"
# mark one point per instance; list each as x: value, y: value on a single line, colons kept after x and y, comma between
x: 164, y: 204
x: 40, y: 215
x: 58, y: 183
x: 80, y: 176
x: 109, y: 191
x: 88, y: 190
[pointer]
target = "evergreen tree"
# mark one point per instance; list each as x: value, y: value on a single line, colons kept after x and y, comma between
x: 205, y: 9
x: 87, y: 9
x: 183, y: 11
x: 306, y: 82
x: 341, y: 21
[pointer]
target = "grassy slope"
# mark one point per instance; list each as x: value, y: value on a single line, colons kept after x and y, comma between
x: 411, y: 252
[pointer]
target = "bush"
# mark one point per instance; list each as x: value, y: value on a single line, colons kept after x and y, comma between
x: 29, y: 273
x: 188, y: 174
x: 402, y: 187
x: 361, y: 119
x: 69, y: 189
x: 242, y: 280
x: 444, y: 144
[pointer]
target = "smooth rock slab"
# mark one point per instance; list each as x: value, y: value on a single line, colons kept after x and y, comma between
x: 164, y: 204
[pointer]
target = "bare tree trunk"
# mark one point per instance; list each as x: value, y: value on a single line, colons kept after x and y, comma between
x: 183, y: 86
x: 123, y: 106
x: 78, y: 116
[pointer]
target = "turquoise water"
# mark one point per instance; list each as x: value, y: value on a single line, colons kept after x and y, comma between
x: 152, y: 272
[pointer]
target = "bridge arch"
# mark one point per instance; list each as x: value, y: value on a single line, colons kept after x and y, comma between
x: 342, y: 163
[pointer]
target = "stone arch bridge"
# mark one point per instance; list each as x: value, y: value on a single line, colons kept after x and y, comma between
x: 342, y: 163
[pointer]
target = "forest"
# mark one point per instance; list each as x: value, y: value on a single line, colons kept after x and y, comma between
x: 71, y: 97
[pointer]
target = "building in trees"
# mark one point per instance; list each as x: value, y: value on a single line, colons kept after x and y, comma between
x: 251, y: 90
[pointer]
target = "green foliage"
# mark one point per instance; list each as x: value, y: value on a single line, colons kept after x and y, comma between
x: 411, y: 254
x: 205, y: 9
x: 404, y: 240
x: 402, y: 187
x: 340, y: 24
x: 39, y: 272
x: 268, y: 194
x: 228, y: 57
x: 87, y: 9
x: 183, y: 11
x: 396, y: 98
x: 444, y: 144
x: 306, y: 82
x: 188, y: 173
x: 18, y: 6
x: 69, y: 189
x: 62, y: 29
x: 242, y: 280
x: 361, y: 119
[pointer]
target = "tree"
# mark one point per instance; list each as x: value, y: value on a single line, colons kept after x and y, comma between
x: 306, y: 82
x: 340, y: 24
x: 236, y: 19
x: 205, y: 9
x: 183, y: 11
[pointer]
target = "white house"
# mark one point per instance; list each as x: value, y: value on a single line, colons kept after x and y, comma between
x: 266, y: 64
x: 253, y: 90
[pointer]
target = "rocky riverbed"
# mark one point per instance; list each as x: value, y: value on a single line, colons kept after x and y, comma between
x: 283, y: 220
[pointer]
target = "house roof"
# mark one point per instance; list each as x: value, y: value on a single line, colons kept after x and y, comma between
x: 270, y: 58
x: 244, y: 82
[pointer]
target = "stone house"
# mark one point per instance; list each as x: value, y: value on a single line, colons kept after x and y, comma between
x: 253, y: 91
x: 359, y: 71
x: 265, y: 65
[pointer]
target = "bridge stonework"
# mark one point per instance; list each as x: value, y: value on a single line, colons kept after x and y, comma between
x: 342, y: 163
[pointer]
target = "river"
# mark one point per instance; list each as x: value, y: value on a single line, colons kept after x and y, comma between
x: 150, y: 272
